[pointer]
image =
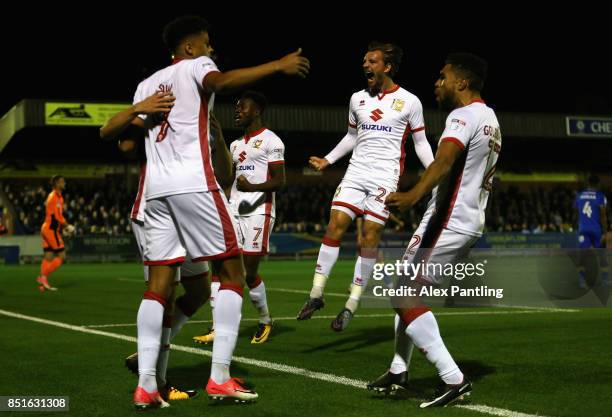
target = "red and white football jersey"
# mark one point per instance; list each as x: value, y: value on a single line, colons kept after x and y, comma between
x: 383, y: 124
x: 140, y: 202
x: 178, y: 145
x: 462, y: 196
x: 251, y: 155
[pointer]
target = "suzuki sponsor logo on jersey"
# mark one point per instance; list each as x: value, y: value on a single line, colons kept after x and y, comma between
x: 242, y: 156
x: 245, y: 168
x: 381, y: 128
x: 376, y: 115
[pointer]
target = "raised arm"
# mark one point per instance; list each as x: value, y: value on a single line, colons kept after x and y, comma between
x: 346, y: 145
x: 447, y: 154
x: 226, y: 82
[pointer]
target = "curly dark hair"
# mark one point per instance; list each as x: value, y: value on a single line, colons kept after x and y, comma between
x: 181, y: 27
x: 471, y: 66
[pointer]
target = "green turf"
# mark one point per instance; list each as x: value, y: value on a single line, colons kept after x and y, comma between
x: 553, y: 364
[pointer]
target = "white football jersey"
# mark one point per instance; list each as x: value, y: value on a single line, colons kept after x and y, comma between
x: 251, y: 156
x: 383, y: 124
x: 178, y: 145
x: 461, y: 198
x: 140, y: 203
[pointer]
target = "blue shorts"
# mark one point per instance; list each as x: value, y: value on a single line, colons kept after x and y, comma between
x: 589, y: 239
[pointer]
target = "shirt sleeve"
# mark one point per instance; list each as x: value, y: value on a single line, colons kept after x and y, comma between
x: 58, y: 210
x: 459, y: 129
x: 352, y: 117
x: 276, y: 152
x: 415, y: 118
x: 203, y: 66
x: 138, y: 97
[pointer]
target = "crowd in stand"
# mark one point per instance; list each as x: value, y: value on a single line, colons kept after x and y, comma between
x: 100, y: 208
x: 103, y: 208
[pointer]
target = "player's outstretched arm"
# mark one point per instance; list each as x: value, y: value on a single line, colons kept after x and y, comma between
x: 422, y: 148
x: 160, y: 102
x: 346, y: 145
x: 226, y: 82
x: 318, y: 164
x: 447, y: 154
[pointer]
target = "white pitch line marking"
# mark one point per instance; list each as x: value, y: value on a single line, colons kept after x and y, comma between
x: 336, y: 379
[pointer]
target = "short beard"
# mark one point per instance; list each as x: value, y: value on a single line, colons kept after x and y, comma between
x: 447, y: 104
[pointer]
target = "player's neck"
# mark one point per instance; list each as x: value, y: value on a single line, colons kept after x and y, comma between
x: 179, y: 57
x: 387, y: 86
x: 57, y: 191
x: 468, y: 98
x: 254, y: 127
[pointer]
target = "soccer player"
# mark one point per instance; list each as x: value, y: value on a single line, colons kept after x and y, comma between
x: 381, y: 118
x: 186, y: 211
x: 463, y: 171
x: 592, y: 228
x: 51, y: 233
x: 258, y: 158
x: 193, y: 276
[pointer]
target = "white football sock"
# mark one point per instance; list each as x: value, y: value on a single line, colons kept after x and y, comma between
x: 228, y: 308
x: 260, y: 301
x: 149, y: 324
x: 425, y: 335
x: 328, y: 255
x: 403, y: 348
x: 164, y: 354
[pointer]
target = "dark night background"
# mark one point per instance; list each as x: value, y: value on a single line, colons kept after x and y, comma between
x: 549, y: 63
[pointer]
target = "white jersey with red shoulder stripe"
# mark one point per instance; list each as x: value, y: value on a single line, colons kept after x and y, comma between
x: 252, y: 155
x: 178, y: 145
x: 138, y: 208
x: 462, y: 196
x: 383, y: 122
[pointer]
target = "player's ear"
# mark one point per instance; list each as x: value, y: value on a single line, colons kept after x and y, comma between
x: 188, y: 47
x: 388, y: 68
x: 462, y: 84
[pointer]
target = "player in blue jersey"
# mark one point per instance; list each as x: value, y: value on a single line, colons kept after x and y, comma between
x: 592, y: 227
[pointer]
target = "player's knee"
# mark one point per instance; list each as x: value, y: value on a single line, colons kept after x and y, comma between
x: 371, y: 238
x: 335, y: 229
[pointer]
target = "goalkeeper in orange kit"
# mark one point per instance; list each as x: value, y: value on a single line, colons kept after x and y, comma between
x: 51, y: 233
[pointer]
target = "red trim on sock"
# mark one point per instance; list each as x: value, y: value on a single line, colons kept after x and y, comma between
x: 368, y: 253
x: 408, y: 316
x: 167, y: 321
x: 150, y: 295
x: 331, y: 242
x: 215, y: 278
x: 232, y: 287
x: 255, y: 283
